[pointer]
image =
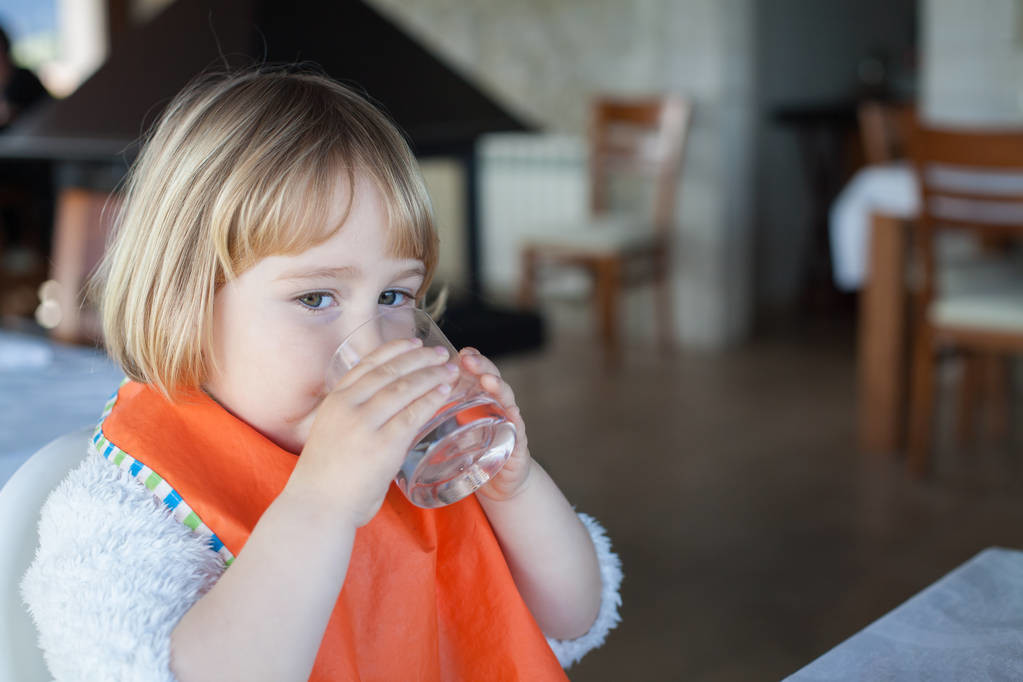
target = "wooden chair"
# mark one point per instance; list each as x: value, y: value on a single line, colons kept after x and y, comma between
x: 885, y: 130
x: 974, y: 307
x: 631, y: 140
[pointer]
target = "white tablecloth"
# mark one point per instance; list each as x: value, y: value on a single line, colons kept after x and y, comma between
x: 966, y: 626
x: 892, y: 189
x: 888, y: 188
x: 47, y: 390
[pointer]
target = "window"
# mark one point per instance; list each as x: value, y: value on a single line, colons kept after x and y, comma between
x: 63, y: 41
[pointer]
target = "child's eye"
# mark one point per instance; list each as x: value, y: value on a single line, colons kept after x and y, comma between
x: 392, y: 297
x: 317, y: 300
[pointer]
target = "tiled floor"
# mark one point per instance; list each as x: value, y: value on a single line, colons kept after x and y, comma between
x: 753, y: 533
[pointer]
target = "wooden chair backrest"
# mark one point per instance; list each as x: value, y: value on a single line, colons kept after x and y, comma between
x: 645, y: 136
x: 969, y: 180
x: 885, y: 129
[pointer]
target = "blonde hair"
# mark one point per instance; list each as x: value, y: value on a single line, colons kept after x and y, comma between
x: 240, y: 167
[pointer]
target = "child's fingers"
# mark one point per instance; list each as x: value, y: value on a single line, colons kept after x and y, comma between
x: 395, y: 396
x: 489, y: 376
x: 404, y: 424
x: 477, y: 363
x: 515, y: 414
x: 379, y: 356
x: 395, y: 368
x: 499, y: 388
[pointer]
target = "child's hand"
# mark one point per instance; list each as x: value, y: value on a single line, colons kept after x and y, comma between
x: 511, y: 479
x: 364, y: 427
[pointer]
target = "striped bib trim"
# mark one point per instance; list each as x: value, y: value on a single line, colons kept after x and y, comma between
x: 159, y: 487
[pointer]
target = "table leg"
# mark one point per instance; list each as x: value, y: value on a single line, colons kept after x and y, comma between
x: 881, y: 360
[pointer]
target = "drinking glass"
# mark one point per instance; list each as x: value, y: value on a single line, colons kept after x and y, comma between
x: 465, y: 443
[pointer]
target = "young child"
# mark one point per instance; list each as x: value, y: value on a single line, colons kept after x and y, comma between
x: 234, y: 520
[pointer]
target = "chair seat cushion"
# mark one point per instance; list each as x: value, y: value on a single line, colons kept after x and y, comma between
x: 986, y: 295
x: 603, y: 234
x: 1002, y: 313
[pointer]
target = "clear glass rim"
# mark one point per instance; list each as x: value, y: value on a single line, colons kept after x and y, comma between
x: 416, y: 312
x: 339, y: 365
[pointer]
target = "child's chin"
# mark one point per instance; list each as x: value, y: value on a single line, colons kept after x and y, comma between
x: 294, y: 444
x: 292, y: 440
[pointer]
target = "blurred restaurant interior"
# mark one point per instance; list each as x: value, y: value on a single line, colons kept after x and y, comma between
x: 751, y: 266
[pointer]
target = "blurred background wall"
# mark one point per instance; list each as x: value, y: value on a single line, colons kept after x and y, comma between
x: 972, y: 58
x: 747, y: 239
x: 546, y: 60
x: 811, y: 56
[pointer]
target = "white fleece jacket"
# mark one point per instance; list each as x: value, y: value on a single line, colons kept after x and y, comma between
x: 114, y: 573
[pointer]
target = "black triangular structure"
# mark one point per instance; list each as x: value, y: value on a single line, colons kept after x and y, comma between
x: 440, y: 110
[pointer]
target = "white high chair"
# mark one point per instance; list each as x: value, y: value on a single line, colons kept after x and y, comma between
x: 20, y: 502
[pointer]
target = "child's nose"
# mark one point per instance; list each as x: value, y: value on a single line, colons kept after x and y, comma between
x: 360, y: 336
x: 355, y: 341
x: 369, y: 332
x: 372, y: 330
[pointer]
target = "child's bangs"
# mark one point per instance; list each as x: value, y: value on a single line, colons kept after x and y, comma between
x: 305, y: 200
x: 286, y: 213
x: 410, y: 227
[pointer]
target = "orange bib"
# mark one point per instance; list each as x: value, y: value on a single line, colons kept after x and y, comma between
x: 428, y: 595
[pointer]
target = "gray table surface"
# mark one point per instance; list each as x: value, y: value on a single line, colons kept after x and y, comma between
x: 966, y: 626
x: 47, y: 390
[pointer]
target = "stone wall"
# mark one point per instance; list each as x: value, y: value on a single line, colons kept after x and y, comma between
x: 972, y: 67
x: 545, y: 60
